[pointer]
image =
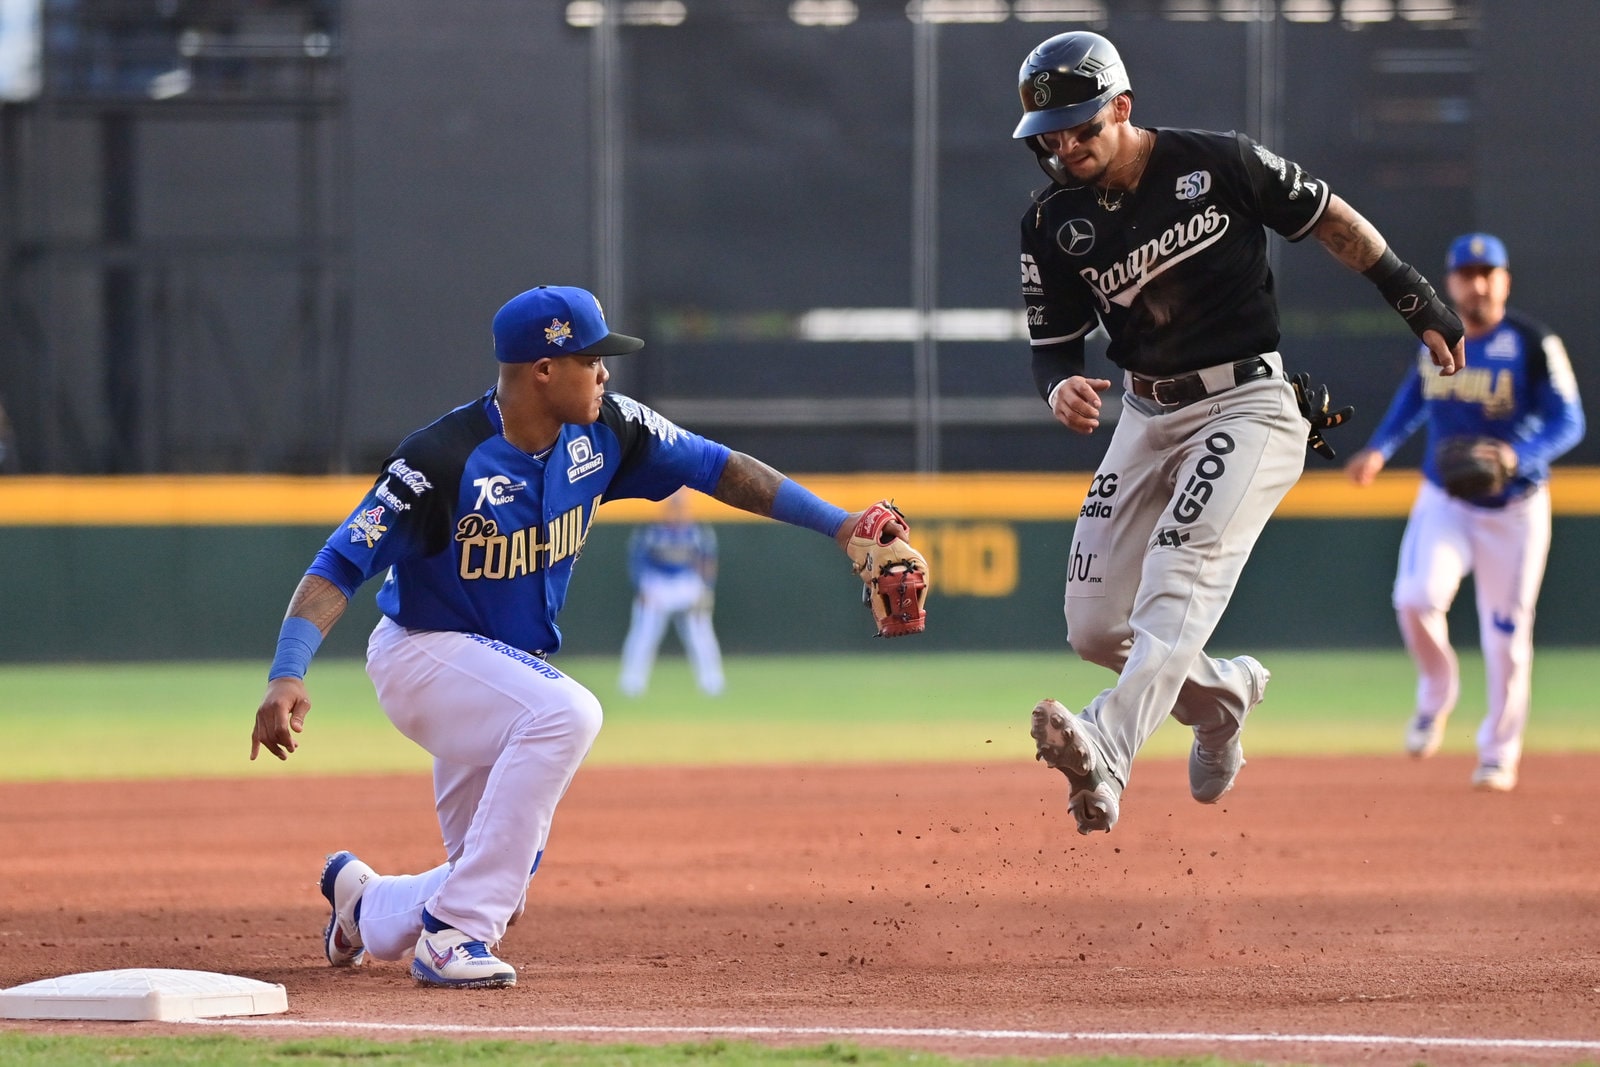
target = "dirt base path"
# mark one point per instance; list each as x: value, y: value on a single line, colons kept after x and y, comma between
x: 1376, y: 898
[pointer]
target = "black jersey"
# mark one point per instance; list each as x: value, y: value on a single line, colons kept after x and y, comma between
x: 1178, y: 273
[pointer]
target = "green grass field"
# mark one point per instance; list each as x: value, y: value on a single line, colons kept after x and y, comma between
x: 83, y: 721
x: 20, y: 1051
x: 102, y: 721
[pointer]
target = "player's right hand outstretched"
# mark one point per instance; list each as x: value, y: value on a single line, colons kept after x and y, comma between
x: 1446, y: 357
x: 1076, y: 403
x: 282, y: 714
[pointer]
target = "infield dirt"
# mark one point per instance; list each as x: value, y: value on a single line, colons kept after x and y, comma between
x: 1322, y: 897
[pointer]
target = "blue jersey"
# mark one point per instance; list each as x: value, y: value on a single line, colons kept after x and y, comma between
x: 670, y: 549
x: 480, y: 537
x: 1517, y: 386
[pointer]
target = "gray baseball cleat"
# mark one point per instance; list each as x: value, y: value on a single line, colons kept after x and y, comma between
x: 1063, y: 745
x: 1212, y: 770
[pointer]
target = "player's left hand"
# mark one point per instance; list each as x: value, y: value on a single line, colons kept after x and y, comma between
x: 1314, y: 401
x: 282, y: 715
x: 1447, y: 359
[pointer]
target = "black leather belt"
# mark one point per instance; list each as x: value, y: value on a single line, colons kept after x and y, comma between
x: 1184, y: 389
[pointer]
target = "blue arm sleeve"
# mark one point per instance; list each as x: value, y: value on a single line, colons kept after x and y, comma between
x: 346, y: 576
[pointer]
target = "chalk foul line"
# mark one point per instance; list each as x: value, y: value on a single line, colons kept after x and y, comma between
x: 919, y: 1032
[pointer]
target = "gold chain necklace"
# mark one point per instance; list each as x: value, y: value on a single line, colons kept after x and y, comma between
x: 1102, y: 193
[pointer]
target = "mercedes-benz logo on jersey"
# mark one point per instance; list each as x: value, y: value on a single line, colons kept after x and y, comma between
x: 1076, y: 237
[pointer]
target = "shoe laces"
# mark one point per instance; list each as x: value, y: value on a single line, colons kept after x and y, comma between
x: 476, y: 949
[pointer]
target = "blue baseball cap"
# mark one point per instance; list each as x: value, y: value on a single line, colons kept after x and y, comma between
x: 556, y: 320
x: 1477, y: 250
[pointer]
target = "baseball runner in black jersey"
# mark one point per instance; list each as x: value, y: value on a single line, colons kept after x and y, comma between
x: 1159, y: 236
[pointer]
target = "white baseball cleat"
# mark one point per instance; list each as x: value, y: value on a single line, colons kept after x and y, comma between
x: 448, y: 957
x: 344, y: 879
x: 1093, y: 796
x: 1212, y: 770
x: 1493, y: 778
x: 1424, y: 735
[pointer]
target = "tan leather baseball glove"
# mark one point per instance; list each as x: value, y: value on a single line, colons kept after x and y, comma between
x: 894, y: 574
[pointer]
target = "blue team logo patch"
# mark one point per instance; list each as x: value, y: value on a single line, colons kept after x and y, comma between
x: 585, y: 460
x: 368, y: 526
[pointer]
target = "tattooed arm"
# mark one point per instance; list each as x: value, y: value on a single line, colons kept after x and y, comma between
x: 1356, y: 243
x: 750, y: 485
x: 1348, y: 237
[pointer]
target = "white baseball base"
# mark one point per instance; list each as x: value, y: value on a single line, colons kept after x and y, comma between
x: 143, y: 994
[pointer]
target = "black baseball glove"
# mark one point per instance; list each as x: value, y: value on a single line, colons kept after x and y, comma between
x: 1313, y: 401
x: 1471, y: 467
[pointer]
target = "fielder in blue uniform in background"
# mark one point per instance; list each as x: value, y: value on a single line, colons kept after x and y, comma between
x: 1517, y: 388
x: 477, y: 520
x: 673, y: 567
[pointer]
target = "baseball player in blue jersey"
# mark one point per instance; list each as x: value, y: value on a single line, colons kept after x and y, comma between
x: 673, y: 567
x: 1160, y: 237
x: 1516, y: 398
x: 476, y: 520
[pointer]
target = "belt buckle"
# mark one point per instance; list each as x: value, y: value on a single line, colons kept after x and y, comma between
x: 1155, y: 392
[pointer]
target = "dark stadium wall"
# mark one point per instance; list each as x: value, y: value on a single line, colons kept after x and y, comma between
x: 1534, y: 158
x: 767, y: 170
x: 470, y: 172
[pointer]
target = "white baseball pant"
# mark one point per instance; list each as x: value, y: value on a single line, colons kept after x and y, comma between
x: 507, y: 732
x: 1505, y: 550
x: 678, y: 599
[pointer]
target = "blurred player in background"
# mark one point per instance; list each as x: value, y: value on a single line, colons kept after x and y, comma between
x: 1518, y: 391
x: 477, y: 520
x: 1159, y: 236
x: 673, y: 567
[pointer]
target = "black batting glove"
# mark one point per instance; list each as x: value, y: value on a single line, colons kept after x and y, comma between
x: 1314, y: 401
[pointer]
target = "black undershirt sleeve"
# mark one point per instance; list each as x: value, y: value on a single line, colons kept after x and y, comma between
x: 1054, y: 364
